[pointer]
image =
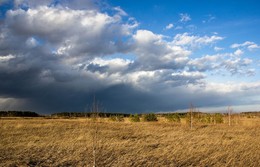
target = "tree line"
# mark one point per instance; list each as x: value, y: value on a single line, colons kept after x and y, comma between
x: 18, y: 114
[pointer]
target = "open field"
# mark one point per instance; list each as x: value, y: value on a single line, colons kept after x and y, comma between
x: 69, y: 142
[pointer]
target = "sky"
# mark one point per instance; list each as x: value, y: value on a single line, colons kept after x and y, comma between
x: 133, y: 56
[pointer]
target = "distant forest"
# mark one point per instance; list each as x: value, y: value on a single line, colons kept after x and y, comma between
x: 61, y: 114
x: 18, y: 114
x: 100, y: 114
x: 87, y: 114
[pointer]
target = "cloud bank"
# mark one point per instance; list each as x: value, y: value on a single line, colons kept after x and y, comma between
x: 54, y: 56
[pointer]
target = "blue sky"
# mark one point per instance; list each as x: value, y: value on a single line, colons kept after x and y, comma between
x: 227, y: 14
x: 236, y: 21
x: 135, y: 56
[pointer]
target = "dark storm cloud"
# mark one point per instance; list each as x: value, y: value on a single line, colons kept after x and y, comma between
x: 94, y: 68
x: 55, y: 56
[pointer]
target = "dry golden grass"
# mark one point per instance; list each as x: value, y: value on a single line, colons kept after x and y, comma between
x: 68, y: 142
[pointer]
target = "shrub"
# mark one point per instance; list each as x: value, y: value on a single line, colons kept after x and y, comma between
x: 173, y: 117
x: 117, y: 118
x: 134, y: 118
x: 206, y: 118
x: 150, y: 117
x: 188, y: 118
x: 219, y: 118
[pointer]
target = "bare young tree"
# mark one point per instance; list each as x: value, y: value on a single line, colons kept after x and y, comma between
x: 191, y: 116
x: 94, y: 117
x: 214, y: 118
x: 229, y: 115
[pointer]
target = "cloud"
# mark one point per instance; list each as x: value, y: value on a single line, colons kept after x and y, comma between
x: 169, y: 26
x: 222, y: 63
x: 231, y: 87
x: 235, y: 66
x: 238, y: 52
x: 253, y: 47
x: 218, y: 48
x: 236, y: 45
x: 184, y: 17
x: 195, y: 41
x: 108, y: 66
x: 11, y: 103
x: 75, y: 4
x: 147, y: 37
x: 56, y: 56
x: 31, y: 42
x: 6, y: 58
x: 120, y: 11
x: 58, y: 49
x: 248, y: 44
x: 205, y: 63
x: 155, y: 52
x: 64, y: 26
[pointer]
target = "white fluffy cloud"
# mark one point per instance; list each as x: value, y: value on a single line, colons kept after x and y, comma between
x: 154, y: 52
x: 195, y: 41
x: 231, y: 87
x: 253, y: 47
x: 248, y: 44
x: 169, y: 26
x: 100, y: 33
x: 222, y: 63
x: 218, y: 48
x: 238, y: 52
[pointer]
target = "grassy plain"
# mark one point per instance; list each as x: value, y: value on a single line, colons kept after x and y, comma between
x: 69, y: 142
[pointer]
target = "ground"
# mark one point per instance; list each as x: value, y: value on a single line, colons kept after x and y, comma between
x: 69, y: 142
